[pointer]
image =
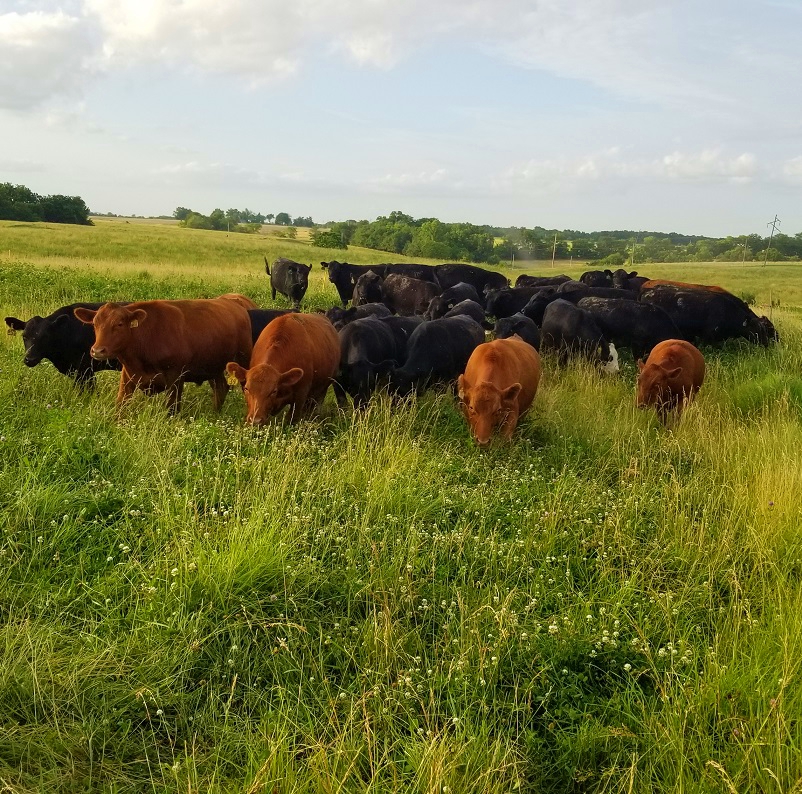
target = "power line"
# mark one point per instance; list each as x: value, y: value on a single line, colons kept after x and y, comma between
x: 774, y: 224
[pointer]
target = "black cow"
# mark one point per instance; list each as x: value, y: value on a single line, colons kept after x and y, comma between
x: 402, y: 328
x: 449, y: 298
x: 368, y: 289
x: 630, y: 281
x: 537, y: 305
x: 407, y: 296
x: 710, y: 317
x: 470, y: 309
x: 449, y: 275
x: 638, y: 326
x: 344, y: 275
x: 339, y: 318
x: 369, y: 350
x: 509, y: 300
x: 541, y: 281
x: 597, y: 278
x: 438, y: 351
x: 289, y: 278
x: 64, y: 340
x: 261, y: 318
x: 571, y: 331
x: 521, y: 325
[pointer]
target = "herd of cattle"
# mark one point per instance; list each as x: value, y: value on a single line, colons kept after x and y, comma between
x: 409, y: 327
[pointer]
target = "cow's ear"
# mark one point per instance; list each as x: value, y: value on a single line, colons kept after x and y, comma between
x: 462, y: 387
x: 235, y: 374
x: 324, y: 265
x: 85, y: 315
x: 290, y: 378
x: 673, y: 373
x: 641, y: 365
x: 138, y: 316
x: 14, y: 324
x: 511, y: 393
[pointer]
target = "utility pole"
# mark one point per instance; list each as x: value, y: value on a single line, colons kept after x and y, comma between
x: 632, y: 255
x: 773, y: 225
x: 554, y: 249
x: 746, y: 248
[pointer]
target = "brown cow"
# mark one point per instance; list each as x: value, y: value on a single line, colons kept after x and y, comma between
x: 406, y: 295
x: 656, y: 282
x: 242, y: 300
x: 163, y: 344
x: 498, y: 386
x: 671, y: 376
x: 293, y: 362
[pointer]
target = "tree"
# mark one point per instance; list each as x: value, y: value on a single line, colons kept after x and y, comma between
x: 304, y: 222
x: 269, y: 217
x: 218, y: 219
x: 283, y: 219
x: 181, y: 213
x: 65, y: 209
x: 328, y: 239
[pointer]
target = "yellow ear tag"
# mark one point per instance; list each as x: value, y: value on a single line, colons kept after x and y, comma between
x: 11, y: 331
x: 232, y: 379
x: 134, y: 323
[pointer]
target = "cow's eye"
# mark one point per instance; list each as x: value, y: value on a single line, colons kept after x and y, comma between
x: 245, y: 389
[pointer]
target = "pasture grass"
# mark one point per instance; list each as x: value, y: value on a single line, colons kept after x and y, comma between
x: 368, y: 603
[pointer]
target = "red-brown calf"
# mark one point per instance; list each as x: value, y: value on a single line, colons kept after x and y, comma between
x: 162, y: 344
x: 498, y: 386
x: 293, y: 362
x: 671, y: 376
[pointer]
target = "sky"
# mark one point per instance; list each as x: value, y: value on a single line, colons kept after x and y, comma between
x: 670, y: 115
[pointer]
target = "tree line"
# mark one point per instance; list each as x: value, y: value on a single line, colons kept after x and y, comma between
x: 235, y: 220
x: 19, y: 203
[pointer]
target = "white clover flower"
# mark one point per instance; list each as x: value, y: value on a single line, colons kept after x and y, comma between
x: 627, y: 667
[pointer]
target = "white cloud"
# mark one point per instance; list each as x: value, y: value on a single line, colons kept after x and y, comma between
x: 41, y: 54
x: 792, y: 170
x: 709, y: 166
x: 207, y: 174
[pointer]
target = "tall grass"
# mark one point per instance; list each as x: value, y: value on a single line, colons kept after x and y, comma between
x: 367, y: 602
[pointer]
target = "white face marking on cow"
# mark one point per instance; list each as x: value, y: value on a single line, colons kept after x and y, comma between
x: 612, y: 365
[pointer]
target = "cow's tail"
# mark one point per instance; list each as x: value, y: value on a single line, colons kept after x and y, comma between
x: 267, y: 267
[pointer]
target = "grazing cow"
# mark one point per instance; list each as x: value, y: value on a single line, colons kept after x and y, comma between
x: 541, y: 281
x: 499, y: 385
x: 709, y: 316
x: 671, y: 376
x: 402, y: 328
x: 368, y: 289
x: 242, y: 300
x: 537, y: 305
x: 261, y: 318
x: 437, y: 352
x: 518, y: 325
x: 293, y: 363
x: 570, y: 331
x: 597, y: 278
x: 341, y: 317
x: 449, y: 298
x: 509, y: 300
x: 626, y: 323
x: 369, y: 350
x: 450, y: 275
x: 163, y: 344
x: 407, y: 296
x: 344, y: 275
x: 660, y: 282
x: 290, y: 278
x: 63, y: 340
x: 473, y: 310
x: 630, y: 281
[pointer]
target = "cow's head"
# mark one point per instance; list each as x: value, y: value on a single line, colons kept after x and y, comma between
x: 42, y: 336
x: 486, y: 407
x: 266, y: 389
x: 368, y: 289
x: 115, y: 328
x: 656, y: 384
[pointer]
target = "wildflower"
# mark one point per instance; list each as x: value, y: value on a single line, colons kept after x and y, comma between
x: 553, y: 628
x: 627, y: 667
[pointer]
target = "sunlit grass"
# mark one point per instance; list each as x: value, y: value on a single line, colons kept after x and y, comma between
x: 367, y: 602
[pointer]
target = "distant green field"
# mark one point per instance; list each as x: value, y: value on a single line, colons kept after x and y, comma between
x: 369, y: 603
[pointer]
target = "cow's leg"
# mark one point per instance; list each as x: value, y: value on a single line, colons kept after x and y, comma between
x: 127, y: 388
x: 219, y: 391
x: 273, y: 289
x: 174, y: 392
